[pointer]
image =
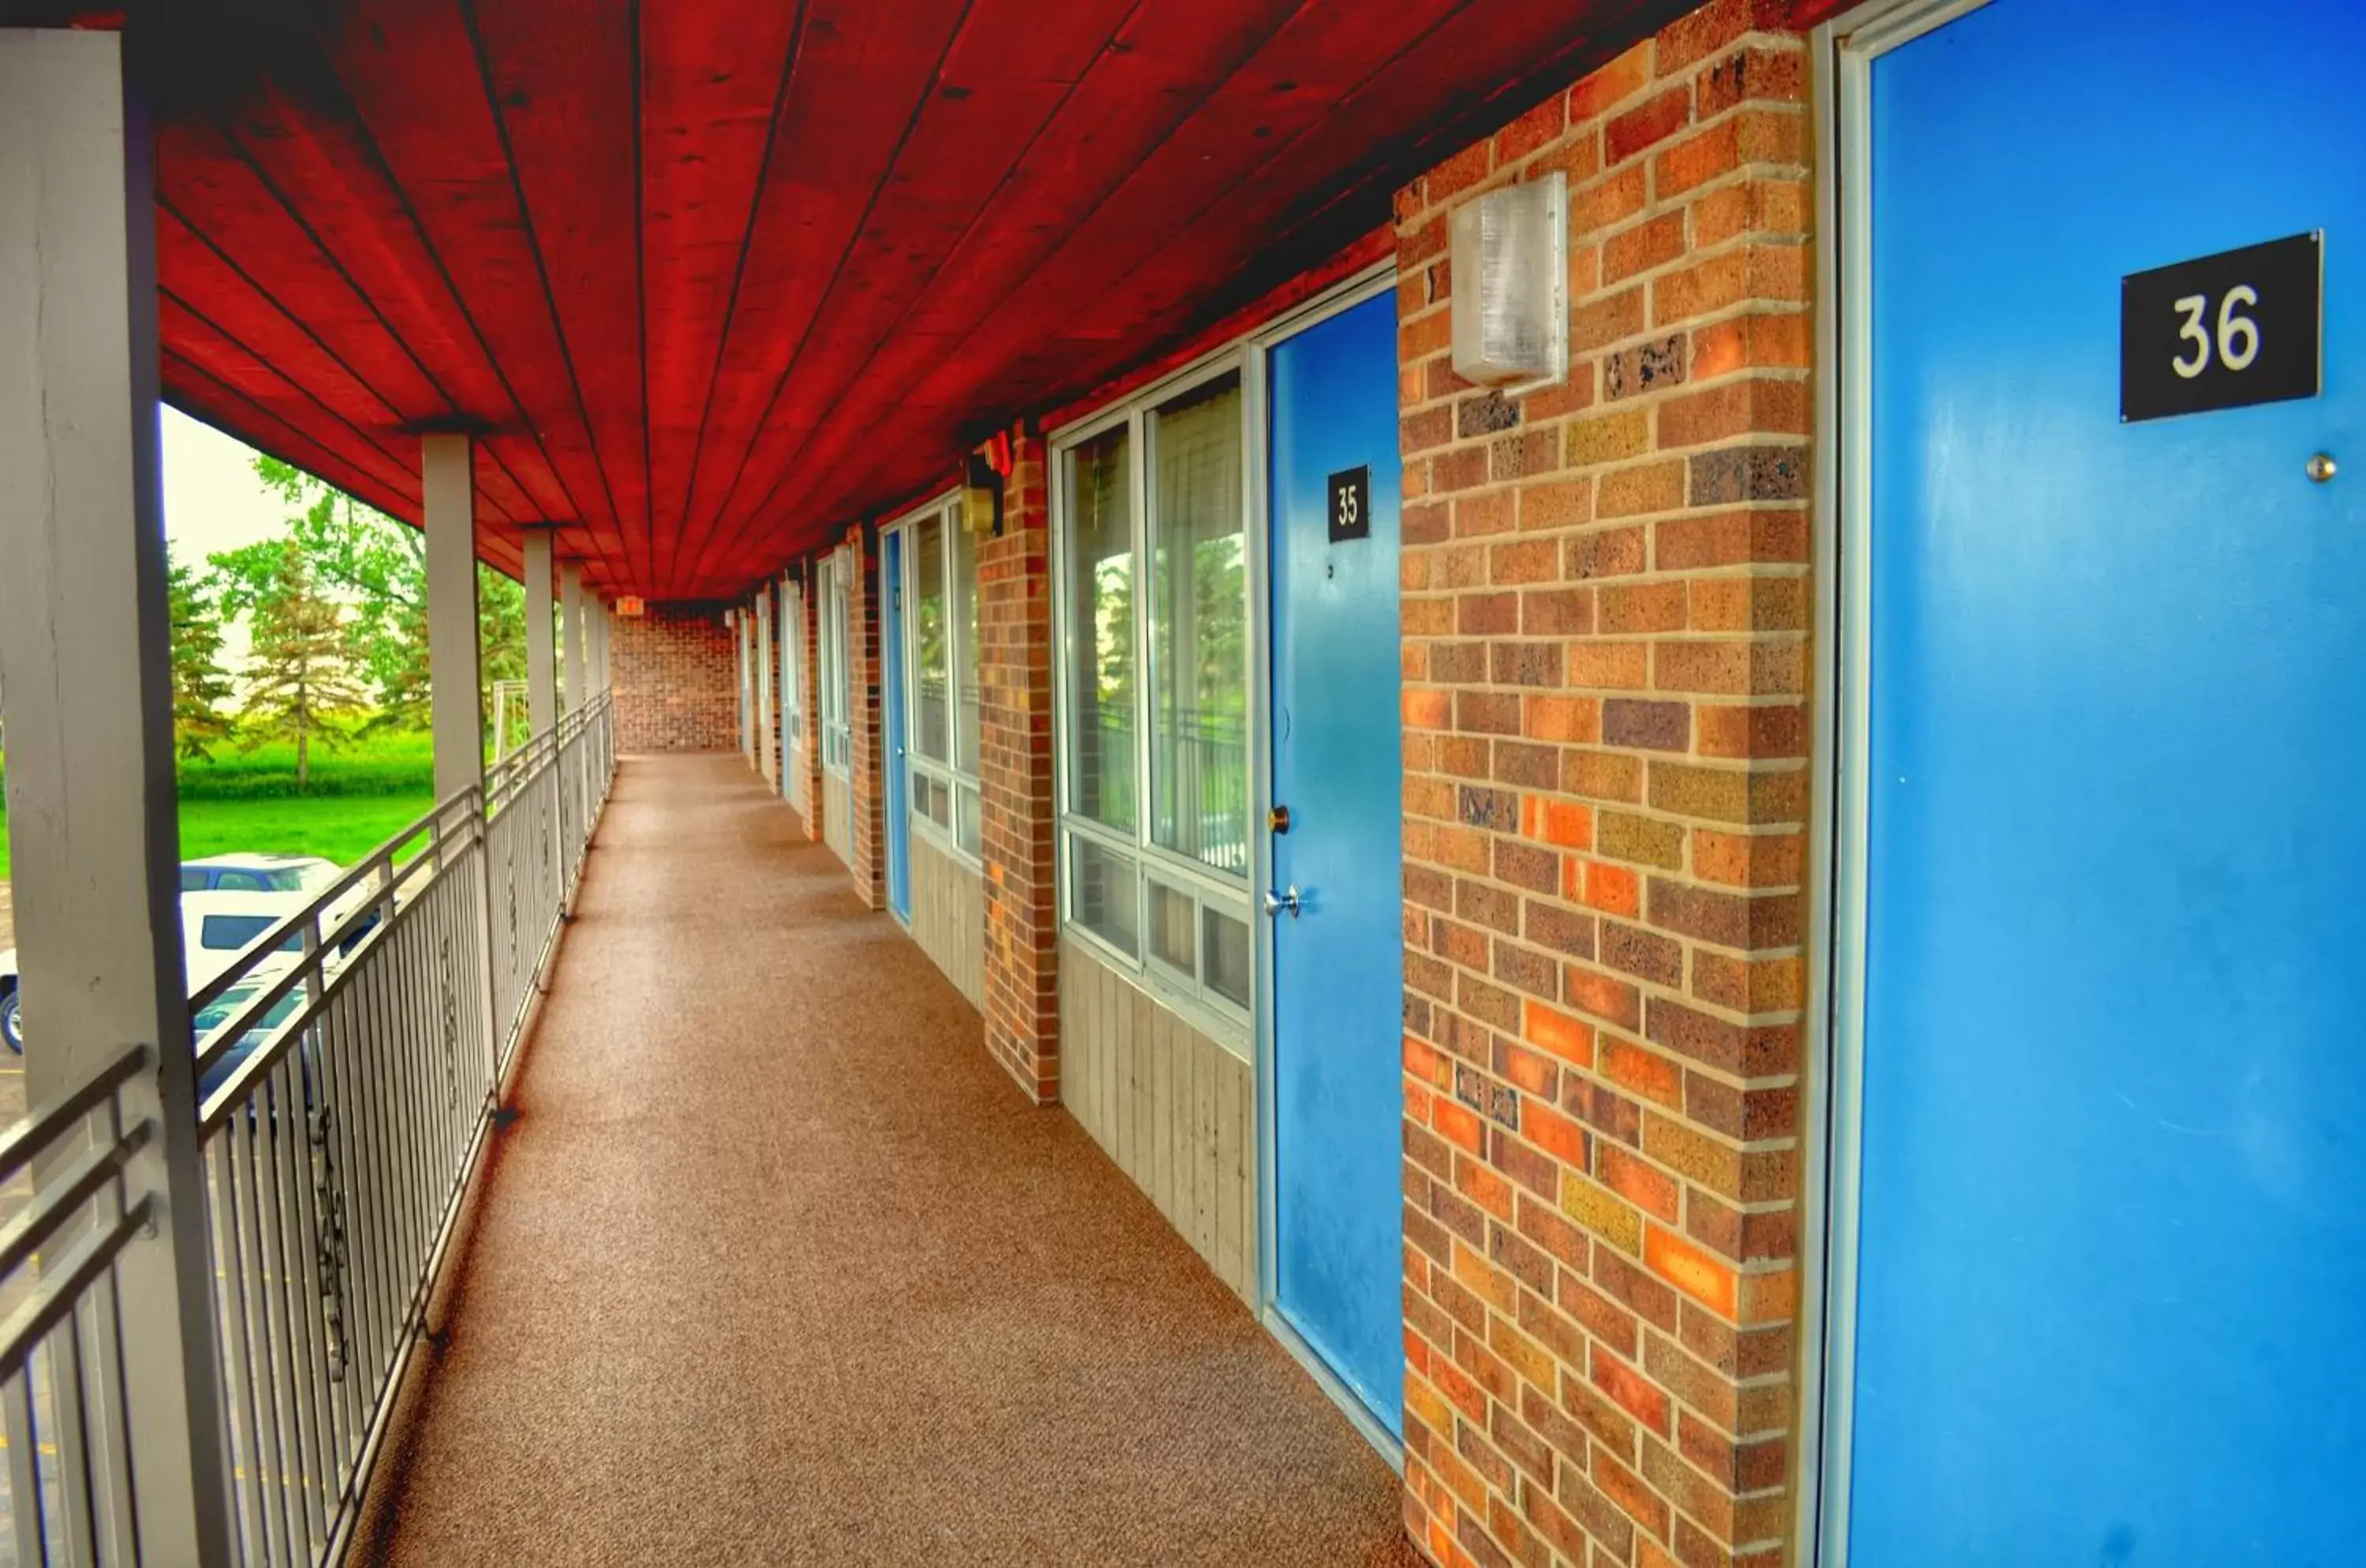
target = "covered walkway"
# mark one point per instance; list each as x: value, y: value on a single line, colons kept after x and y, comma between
x: 776, y: 1265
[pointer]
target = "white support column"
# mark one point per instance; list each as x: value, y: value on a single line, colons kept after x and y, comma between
x: 541, y: 663
x: 603, y: 645
x: 572, y: 625
x: 86, y: 665
x: 447, y: 482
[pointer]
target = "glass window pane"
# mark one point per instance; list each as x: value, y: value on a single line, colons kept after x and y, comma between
x: 1227, y: 946
x: 966, y: 743
x: 1100, y: 585
x: 966, y: 817
x: 931, y: 650
x: 1200, y: 630
x: 1103, y: 895
x: 1172, y: 916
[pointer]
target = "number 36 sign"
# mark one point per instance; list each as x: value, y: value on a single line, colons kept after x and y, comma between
x: 2221, y: 331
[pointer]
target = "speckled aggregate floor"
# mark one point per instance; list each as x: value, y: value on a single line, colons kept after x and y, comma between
x: 775, y: 1267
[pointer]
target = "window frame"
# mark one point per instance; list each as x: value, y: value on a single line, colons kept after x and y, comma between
x: 790, y: 615
x: 1206, y: 886
x: 959, y: 775
x: 836, y: 676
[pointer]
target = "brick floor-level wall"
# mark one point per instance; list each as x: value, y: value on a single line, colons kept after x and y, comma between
x: 1606, y: 610
x: 675, y: 672
x: 1014, y: 588
x: 864, y: 764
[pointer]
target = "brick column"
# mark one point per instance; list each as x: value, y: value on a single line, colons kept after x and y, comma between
x: 1606, y: 599
x: 865, y: 765
x: 1014, y: 608
x: 809, y: 696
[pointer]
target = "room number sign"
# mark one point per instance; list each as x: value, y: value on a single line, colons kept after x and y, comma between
x: 2223, y: 331
x: 1351, y: 503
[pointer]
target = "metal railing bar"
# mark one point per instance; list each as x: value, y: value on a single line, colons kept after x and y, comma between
x: 39, y: 1128
x: 63, y: 1196
x: 25, y: 1470
x: 82, y: 1262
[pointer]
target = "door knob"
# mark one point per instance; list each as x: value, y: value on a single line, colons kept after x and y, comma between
x: 1275, y: 903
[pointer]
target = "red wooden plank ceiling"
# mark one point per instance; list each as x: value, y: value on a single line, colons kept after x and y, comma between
x: 715, y: 277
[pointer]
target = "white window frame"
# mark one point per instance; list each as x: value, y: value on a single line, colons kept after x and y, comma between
x: 1228, y: 1020
x: 958, y: 776
x: 837, y: 576
x: 790, y: 617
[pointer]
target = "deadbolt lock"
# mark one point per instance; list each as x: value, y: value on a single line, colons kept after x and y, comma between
x: 1278, y: 819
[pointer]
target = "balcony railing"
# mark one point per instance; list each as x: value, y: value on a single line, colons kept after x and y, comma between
x: 348, y: 1065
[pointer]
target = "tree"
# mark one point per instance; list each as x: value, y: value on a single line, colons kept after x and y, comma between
x: 379, y: 565
x: 201, y: 685
x: 300, y: 675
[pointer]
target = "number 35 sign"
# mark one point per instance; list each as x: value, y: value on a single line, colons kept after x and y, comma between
x: 2221, y: 331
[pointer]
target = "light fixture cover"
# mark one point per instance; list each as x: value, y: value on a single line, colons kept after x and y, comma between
x: 1511, y: 284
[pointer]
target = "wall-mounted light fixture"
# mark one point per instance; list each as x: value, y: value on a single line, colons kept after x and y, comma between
x: 982, y: 484
x: 630, y: 605
x: 1510, y: 259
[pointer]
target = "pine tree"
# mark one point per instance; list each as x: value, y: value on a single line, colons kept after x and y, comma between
x: 201, y: 685
x: 300, y: 675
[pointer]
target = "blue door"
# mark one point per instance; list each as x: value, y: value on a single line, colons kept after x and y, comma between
x: 1338, y: 962
x: 2111, y: 1304
x: 897, y: 825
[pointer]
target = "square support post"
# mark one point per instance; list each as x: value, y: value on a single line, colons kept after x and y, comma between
x: 86, y: 666
x: 447, y: 482
x: 572, y: 625
x: 541, y: 661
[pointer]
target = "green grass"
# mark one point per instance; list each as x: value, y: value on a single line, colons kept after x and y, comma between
x: 361, y: 795
x: 397, y: 762
x: 338, y: 828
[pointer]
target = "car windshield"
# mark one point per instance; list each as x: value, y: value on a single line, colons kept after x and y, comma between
x: 293, y: 879
x: 227, y: 1005
x: 233, y: 933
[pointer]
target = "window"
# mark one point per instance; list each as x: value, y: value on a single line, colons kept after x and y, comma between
x: 837, y: 732
x: 1154, y: 688
x: 235, y: 934
x: 942, y: 575
x: 793, y: 649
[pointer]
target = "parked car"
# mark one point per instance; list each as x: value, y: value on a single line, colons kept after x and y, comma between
x: 217, y: 928
x: 12, y: 1026
x: 211, y: 1018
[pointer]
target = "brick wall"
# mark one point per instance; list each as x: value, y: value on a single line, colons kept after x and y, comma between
x: 864, y: 765
x: 1022, y: 1004
x: 1605, y: 604
x: 676, y: 676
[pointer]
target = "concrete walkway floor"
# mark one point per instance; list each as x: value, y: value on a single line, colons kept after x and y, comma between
x: 776, y: 1267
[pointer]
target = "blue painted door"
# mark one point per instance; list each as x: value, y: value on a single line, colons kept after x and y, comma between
x: 897, y: 824
x: 2111, y: 1251
x: 1338, y: 965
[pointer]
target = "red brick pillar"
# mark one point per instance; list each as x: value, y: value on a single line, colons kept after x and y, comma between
x: 809, y: 697
x: 1014, y: 588
x: 865, y: 763
x: 1606, y: 602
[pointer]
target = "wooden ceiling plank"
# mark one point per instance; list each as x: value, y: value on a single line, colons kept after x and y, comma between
x: 198, y: 392
x: 317, y: 159
x: 563, y: 83
x: 409, y: 70
x: 998, y: 90
x: 862, y: 72
x: 713, y: 82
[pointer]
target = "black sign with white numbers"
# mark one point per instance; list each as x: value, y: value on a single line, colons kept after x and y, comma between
x: 1351, y: 505
x: 2223, y: 331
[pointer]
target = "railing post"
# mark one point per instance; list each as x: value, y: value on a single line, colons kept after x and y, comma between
x: 85, y: 666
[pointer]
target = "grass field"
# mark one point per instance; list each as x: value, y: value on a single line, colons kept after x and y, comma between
x: 246, y: 802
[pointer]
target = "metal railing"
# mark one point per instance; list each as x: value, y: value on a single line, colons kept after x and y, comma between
x: 66, y: 1406
x: 345, y: 1090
